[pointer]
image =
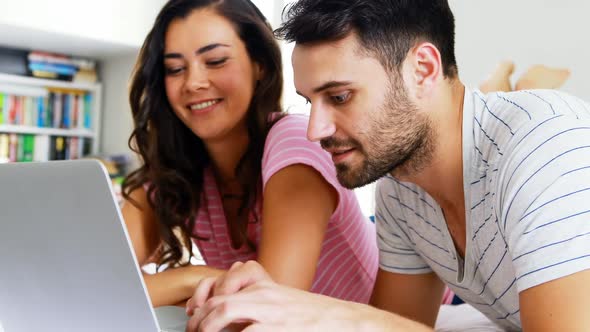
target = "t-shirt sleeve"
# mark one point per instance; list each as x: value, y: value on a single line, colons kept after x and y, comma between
x: 287, y: 144
x: 396, y: 252
x: 544, y: 199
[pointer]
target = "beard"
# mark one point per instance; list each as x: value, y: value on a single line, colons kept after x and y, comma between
x: 398, y: 139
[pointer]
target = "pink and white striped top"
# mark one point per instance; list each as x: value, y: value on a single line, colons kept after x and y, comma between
x: 349, y: 256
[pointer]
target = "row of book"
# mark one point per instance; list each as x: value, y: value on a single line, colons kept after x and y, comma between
x: 25, y: 147
x: 60, y: 66
x: 58, y: 108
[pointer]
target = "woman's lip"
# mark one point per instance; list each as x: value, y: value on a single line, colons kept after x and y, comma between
x: 206, y: 109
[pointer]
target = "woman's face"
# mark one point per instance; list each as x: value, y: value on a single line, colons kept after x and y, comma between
x: 209, y: 76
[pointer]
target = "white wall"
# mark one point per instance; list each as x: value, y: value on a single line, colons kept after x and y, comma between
x: 529, y: 32
x: 122, y: 22
x: 117, y: 122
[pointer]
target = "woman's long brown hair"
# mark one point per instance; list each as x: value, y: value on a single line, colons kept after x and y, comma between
x: 173, y: 157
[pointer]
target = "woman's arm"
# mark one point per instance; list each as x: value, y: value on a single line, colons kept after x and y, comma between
x: 170, y: 287
x: 175, y: 286
x: 297, y: 206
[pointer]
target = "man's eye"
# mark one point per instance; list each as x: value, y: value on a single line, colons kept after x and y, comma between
x: 341, y: 98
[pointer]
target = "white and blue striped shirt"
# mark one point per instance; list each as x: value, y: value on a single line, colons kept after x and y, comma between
x: 526, y: 169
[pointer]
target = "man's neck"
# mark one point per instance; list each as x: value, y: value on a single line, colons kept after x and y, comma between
x: 442, y: 178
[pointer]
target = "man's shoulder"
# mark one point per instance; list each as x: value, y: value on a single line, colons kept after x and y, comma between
x: 388, y: 185
x: 529, y: 105
x: 390, y: 189
x: 503, y: 119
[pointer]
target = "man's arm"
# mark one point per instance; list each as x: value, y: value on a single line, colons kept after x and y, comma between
x: 416, y: 296
x: 546, y: 190
x: 247, y: 296
x: 558, y: 305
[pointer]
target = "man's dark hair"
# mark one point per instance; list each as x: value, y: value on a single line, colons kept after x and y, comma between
x: 387, y: 29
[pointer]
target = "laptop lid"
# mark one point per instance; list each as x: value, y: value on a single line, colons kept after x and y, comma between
x: 66, y: 263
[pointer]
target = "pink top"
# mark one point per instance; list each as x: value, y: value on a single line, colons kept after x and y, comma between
x: 349, y: 257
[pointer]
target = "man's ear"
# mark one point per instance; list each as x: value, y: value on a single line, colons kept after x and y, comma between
x: 426, y: 67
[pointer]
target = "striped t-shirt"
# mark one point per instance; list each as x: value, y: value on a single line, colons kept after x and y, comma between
x: 349, y: 257
x: 526, y: 177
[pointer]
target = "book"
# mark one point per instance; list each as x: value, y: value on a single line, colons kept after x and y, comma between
x: 41, y: 148
x: 40, y: 104
x: 4, y: 146
x: 50, y: 75
x: 59, y: 148
x: 20, y: 147
x: 28, y: 147
x: 12, y: 147
x: 12, y: 110
x: 73, y: 148
x: 60, y: 69
x: 55, y: 58
x: 1, y: 108
x: 87, y: 76
x: 66, y: 103
x: 57, y: 110
x: 49, y: 101
x: 88, y: 111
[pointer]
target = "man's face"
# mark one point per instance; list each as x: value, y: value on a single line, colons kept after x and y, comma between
x: 360, y: 112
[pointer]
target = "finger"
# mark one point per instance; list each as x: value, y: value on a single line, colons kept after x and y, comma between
x: 193, y: 323
x: 259, y: 327
x: 235, y: 266
x: 243, y: 307
x: 240, y: 276
x: 202, y: 312
x: 227, y: 313
x: 202, y: 293
x: 189, y: 307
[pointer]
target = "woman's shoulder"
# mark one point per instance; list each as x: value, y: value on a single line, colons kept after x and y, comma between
x: 289, y: 122
x: 290, y: 131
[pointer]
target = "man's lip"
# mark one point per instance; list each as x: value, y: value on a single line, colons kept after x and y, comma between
x: 339, y: 151
x: 341, y: 155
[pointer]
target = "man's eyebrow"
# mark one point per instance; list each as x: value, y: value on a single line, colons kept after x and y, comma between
x: 330, y: 84
x: 326, y: 86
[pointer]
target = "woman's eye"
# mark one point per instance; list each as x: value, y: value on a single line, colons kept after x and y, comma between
x: 341, y: 98
x: 217, y: 62
x: 173, y: 71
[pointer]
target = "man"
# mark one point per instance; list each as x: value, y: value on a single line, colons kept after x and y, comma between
x: 487, y: 194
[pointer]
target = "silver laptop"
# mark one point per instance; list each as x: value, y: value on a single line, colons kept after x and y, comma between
x: 66, y: 262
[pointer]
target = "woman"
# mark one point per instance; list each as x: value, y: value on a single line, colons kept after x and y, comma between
x: 224, y: 169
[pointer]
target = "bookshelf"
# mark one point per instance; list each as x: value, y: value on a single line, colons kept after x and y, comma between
x: 83, y: 126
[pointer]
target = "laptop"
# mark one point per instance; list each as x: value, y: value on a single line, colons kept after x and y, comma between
x: 66, y: 261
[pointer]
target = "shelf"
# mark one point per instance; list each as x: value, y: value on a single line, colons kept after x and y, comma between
x: 46, y: 131
x: 34, y: 81
x: 16, y: 32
